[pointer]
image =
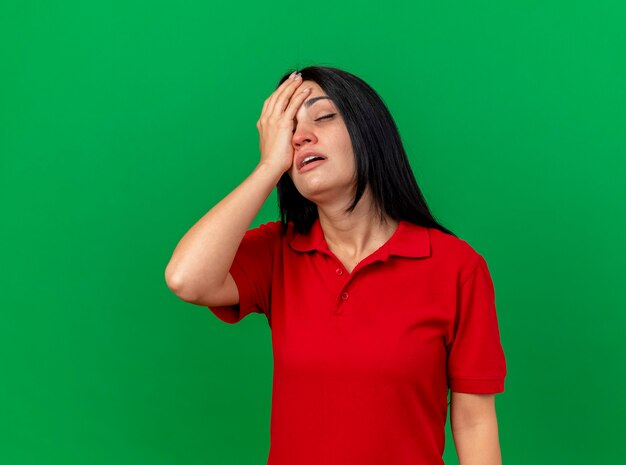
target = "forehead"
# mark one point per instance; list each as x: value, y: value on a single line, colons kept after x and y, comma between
x: 316, y: 95
x: 315, y: 87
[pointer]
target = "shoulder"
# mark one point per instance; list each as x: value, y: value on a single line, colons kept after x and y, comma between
x: 265, y: 234
x: 270, y: 227
x: 454, y: 252
x: 270, y: 231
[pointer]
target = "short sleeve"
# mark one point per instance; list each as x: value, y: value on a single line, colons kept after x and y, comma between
x: 252, y: 272
x: 476, y: 360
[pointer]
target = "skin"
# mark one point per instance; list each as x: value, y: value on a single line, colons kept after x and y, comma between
x: 474, y: 428
x: 331, y: 185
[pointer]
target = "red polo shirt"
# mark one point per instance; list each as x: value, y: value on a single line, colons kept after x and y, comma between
x: 363, y: 361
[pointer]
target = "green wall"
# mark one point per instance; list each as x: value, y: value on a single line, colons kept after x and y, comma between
x: 123, y: 122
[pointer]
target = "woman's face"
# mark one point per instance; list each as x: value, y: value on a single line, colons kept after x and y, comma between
x: 315, y: 130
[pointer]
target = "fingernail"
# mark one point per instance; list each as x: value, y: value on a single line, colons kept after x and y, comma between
x: 297, y: 75
x: 292, y: 75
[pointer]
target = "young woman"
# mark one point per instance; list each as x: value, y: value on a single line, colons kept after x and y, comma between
x: 376, y: 310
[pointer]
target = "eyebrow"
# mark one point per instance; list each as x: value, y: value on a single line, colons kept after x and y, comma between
x: 311, y: 101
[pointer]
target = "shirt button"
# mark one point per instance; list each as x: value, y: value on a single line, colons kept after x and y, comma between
x: 339, y: 271
x: 344, y: 296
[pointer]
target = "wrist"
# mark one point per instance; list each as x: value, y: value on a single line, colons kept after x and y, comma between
x: 270, y: 170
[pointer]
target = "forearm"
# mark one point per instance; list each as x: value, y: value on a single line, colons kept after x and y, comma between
x: 205, y: 253
x: 478, y: 444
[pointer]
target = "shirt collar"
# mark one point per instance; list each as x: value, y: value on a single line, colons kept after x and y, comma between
x: 409, y: 240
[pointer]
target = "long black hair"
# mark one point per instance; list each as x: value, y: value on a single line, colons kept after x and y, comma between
x: 380, y: 158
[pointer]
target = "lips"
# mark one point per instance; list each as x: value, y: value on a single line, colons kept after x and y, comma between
x: 308, y: 159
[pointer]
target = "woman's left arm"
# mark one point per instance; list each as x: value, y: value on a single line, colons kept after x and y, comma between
x: 475, y: 428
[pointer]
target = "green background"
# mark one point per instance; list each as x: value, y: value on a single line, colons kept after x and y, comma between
x: 123, y: 122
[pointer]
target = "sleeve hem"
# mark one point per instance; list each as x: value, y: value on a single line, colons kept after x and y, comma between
x: 233, y: 313
x: 477, y: 386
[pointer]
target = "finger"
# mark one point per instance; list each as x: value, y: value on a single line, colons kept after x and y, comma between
x: 295, y: 102
x: 272, y: 98
x: 265, y: 103
x: 280, y: 99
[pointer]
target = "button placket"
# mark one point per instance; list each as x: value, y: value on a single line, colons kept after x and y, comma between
x: 343, y: 295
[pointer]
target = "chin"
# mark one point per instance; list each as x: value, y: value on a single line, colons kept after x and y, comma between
x: 312, y: 186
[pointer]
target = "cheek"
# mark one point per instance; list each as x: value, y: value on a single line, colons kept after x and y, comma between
x: 345, y: 142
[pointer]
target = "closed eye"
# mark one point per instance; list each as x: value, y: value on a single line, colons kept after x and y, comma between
x: 320, y: 118
x: 326, y: 116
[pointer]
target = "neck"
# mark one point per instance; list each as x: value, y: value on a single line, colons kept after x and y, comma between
x: 358, y: 233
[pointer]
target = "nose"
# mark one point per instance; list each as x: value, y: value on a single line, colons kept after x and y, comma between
x: 302, y: 135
